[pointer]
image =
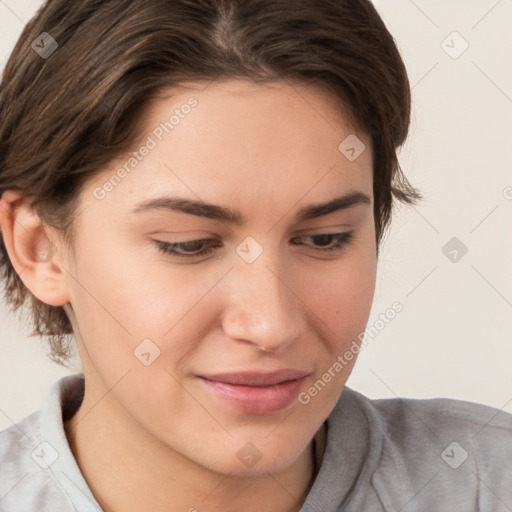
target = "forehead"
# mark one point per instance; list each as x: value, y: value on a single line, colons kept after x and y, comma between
x: 234, y: 140
x: 227, y: 103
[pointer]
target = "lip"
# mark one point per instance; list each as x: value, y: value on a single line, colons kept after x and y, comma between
x: 256, y: 392
x: 255, y: 378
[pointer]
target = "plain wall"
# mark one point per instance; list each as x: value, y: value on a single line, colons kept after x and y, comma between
x: 454, y: 335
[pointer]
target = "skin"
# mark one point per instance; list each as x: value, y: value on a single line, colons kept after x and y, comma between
x: 150, y: 437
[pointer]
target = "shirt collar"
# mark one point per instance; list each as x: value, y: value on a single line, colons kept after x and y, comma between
x: 64, y: 395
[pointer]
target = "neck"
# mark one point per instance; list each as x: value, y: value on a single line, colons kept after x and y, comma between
x: 129, y: 470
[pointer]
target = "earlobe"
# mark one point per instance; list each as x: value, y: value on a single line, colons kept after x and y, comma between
x: 34, y: 257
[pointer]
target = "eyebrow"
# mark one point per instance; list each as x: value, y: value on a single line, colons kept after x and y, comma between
x: 221, y: 213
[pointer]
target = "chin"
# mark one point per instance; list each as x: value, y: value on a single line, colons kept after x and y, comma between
x: 251, y: 461
x: 259, y: 469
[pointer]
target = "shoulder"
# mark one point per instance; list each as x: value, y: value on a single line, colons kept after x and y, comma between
x: 449, y: 451
x: 442, y: 413
x: 25, y: 481
x: 406, y: 419
x: 18, y: 440
x: 17, y: 443
x: 457, y: 425
x: 34, y: 455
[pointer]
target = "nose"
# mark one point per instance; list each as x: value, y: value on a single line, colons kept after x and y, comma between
x: 262, y: 306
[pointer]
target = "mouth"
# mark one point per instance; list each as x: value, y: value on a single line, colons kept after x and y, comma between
x: 256, y: 392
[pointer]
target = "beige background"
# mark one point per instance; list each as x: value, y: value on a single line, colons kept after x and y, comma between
x: 454, y: 335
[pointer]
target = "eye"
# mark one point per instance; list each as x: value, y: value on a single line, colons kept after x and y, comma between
x: 188, y: 249
x: 326, y: 242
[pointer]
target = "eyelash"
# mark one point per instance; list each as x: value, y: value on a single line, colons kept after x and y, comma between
x: 342, y: 240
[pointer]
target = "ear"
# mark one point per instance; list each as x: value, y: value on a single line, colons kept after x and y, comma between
x: 34, y: 256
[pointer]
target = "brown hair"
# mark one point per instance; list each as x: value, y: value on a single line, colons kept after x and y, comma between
x: 64, y: 116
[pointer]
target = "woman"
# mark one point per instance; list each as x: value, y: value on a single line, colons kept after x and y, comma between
x: 197, y: 191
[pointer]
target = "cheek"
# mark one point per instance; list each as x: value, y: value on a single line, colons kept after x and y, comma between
x: 342, y: 296
x: 121, y: 301
x: 135, y: 291
x: 343, y: 303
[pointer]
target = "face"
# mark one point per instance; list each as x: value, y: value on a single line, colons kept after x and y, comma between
x: 214, y: 312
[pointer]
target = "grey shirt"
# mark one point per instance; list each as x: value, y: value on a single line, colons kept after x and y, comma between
x: 380, y: 455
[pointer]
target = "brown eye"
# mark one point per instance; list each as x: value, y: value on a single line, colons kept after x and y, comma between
x: 326, y: 242
x: 188, y: 249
